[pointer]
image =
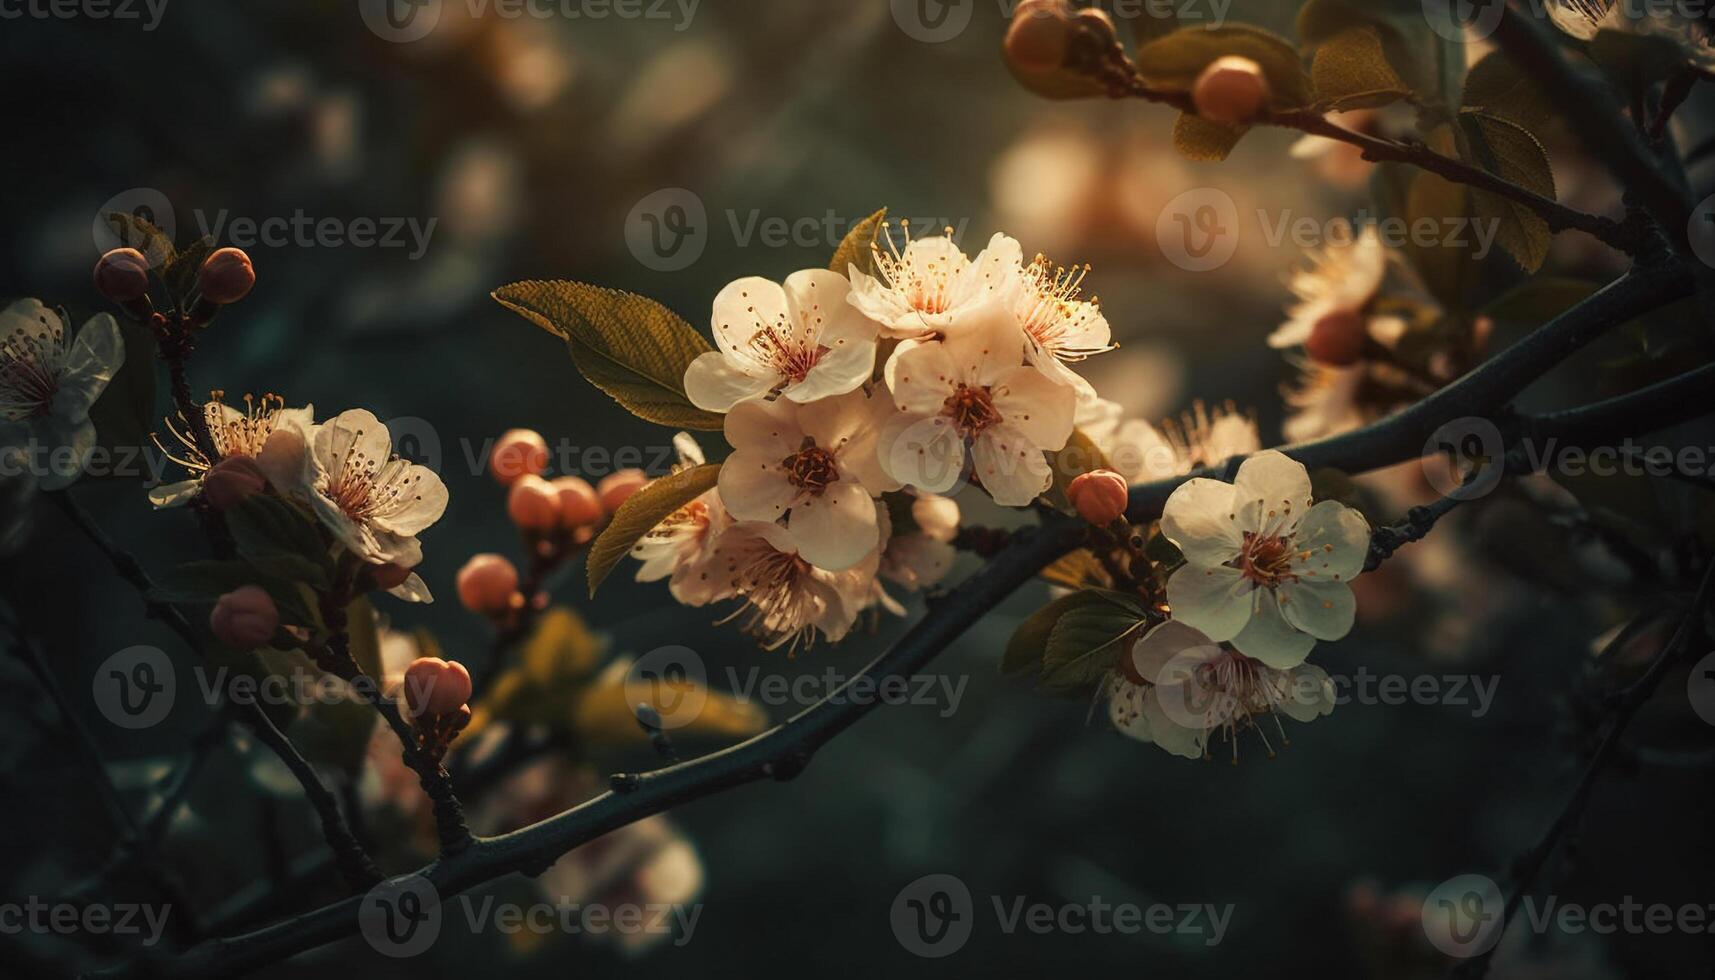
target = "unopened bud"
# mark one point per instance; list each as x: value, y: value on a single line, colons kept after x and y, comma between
x: 231, y: 481
x: 936, y: 516
x: 518, y: 453
x: 122, y: 276
x: 486, y: 584
x: 616, y: 488
x: 389, y: 576
x: 435, y: 687
x: 226, y: 277
x: 534, y: 505
x: 1338, y: 339
x: 1231, y: 90
x: 580, y: 505
x: 1040, y: 33
x: 245, y: 618
x: 1100, y: 496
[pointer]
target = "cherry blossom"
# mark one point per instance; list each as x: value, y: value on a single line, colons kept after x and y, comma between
x: 48, y: 384
x: 1265, y: 567
x: 236, y: 435
x: 787, y: 600
x: 923, y: 289
x: 801, y: 340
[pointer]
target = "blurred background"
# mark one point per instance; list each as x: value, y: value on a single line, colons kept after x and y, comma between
x: 510, y: 148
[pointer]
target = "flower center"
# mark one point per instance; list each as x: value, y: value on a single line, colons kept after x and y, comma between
x: 787, y: 355
x: 778, y: 609
x: 29, y: 372
x: 925, y: 283
x: 363, y: 488
x: 972, y: 410
x: 1267, y: 561
x: 1051, y: 312
x: 811, y: 468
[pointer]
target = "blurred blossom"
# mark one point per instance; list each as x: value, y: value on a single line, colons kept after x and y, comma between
x: 531, y: 65
x: 682, y: 82
x: 1146, y: 378
x: 1041, y: 183
x: 480, y: 193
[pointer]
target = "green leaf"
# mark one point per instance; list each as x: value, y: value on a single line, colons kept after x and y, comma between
x: 1029, y: 643
x: 140, y: 234
x: 1080, y: 455
x: 1538, y: 301
x: 632, y: 348
x: 180, y: 272
x: 1411, y: 48
x: 1507, y: 150
x: 1352, y: 72
x: 365, y: 633
x: 1497, y: 87
x: 1086, y: 642
x: 646, y: 509
x: 1205, y: 140
x: 857, y: 248
x: 272, y: 533
x: 1173, y: 62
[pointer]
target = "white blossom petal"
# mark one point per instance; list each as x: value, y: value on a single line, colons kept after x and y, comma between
x: 1213, y: 600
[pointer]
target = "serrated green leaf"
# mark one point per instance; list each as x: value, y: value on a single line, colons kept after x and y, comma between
x: 631, y: 347
x: 1205, y: 140
x: 1496, y: 86
x: 1173, y: 62
x: 1507, y: 150
x: 180, y: 272
x: 1408, y: 44
x: 1077, y: 570
x: 1086, y: 642
x: 857, y: 248
x: 138, y: 233
x: 271, y: 533
x: 1029, y: 643
x: 646, y: 509
x: 1352, y: 72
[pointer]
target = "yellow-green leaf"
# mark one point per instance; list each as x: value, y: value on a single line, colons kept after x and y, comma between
x: 1079, y: 456
x: 1508, y: 150
x: 857, y: 248
x: 1496, y: 86
x: 1087, y: 640
x: 1205, y: 140
x: 1352, y: 72
x: 646, y: 509
x: 1173, y: 62
x: 631, y: 347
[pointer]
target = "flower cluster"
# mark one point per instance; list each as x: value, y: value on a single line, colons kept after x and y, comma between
x: 853, y: 403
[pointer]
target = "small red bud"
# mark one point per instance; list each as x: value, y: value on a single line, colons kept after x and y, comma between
x: 122, y: 275
x: 534, y: 505
x: 1231, y: 90
x: 518, y: 453
x: 487, y: 585
x: 389, y: 576
x: 231, y: 481
x: 245, y: 618
x: 616, y: 488
x: 580, y: 505
x: 1100, y: 496
x: 1338, y: 339
x: 1039, y: 35
x: 226, y: 277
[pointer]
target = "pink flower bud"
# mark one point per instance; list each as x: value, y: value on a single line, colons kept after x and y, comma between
x: 486, y: 584
x: 534, y: 505
x: 615, y: 489
x: 1231, y: 90
x: 936, y: 516
x: 389, y: 576
x: 580, y: 505
x: 1039, y: 35
x: 422, y: 677
x: 518, y: 453
x: 1099, y: 496
x: 1338, y: 339
x: 226, y: 277
x: 245, y: 618
x: 122, y: 275
x: 231, y: 481
x: 451, y: 691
